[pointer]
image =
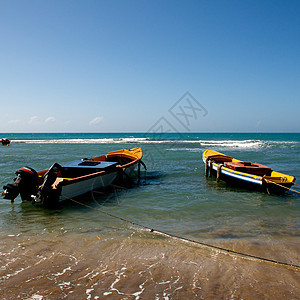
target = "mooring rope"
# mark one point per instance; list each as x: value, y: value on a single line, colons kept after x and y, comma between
x: 225, y: 250
x: 198, y: 167
x: 267, y: 180
x: 296, y: 184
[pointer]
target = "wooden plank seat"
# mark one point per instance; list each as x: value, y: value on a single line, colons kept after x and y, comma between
x: 249, y: 167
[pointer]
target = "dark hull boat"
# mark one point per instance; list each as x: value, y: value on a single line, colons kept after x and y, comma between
x: 246, y: 174
x: 5, y: 142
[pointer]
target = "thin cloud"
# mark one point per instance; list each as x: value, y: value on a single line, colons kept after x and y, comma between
x: 50, y: 120
x: 14, y: 121
x: 96, y: 121
x: 34, y: 120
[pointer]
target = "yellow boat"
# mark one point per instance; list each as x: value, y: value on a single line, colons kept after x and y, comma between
x: 245, y: 174
x: 75, y: 178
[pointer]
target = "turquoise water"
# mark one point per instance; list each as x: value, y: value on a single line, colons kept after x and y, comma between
x: 174, y: 196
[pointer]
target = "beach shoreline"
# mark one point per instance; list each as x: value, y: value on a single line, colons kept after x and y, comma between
x: 138, y: 265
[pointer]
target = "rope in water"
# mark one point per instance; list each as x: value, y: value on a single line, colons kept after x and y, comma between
x: 296, y: 184
x: 228, y: 251
x: 273, y: 182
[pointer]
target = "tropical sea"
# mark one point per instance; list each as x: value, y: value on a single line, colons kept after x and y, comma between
x: 164, y: 237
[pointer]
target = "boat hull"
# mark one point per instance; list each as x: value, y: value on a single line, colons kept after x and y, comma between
x: 75, y: 178
x: 273, y: 183
x: 128, y: 161
x: 84, y: 186
x: 251, y: 183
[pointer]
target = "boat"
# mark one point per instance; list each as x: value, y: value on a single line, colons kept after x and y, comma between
x: 245, y: 174
x: 5, y: 142
x: 75, y: 178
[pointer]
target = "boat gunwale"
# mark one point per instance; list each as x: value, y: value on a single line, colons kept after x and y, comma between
x: 67, y: 181
x: 239, y: 172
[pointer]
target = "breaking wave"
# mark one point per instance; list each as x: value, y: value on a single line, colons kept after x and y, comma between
x: 223, y: 143
x: 233, y: 143
x: 83, y: 141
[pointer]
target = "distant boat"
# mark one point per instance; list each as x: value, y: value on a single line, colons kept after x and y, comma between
x: 5, y: 142
x: 75, y: 178
x: 246, y: 174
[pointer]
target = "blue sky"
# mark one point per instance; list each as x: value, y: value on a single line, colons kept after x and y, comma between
x: 120, y: 66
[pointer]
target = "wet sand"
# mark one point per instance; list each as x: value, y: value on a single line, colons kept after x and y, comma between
x: 141, y: 265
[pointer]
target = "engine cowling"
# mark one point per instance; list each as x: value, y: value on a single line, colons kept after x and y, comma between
x: 25, y: 184
x: 47, y: 195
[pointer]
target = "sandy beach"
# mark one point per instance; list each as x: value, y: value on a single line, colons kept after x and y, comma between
x: 139, y: 265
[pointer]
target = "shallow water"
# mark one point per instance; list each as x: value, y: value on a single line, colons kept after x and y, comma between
x: 76, y: 251
x: 137, y: 264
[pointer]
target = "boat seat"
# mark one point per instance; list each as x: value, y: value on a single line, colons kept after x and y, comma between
x: 220, y: 158
x: 250, y: 168
x: 280, y: 179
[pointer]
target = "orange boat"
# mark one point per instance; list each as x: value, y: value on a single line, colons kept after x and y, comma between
x: 74, y: 178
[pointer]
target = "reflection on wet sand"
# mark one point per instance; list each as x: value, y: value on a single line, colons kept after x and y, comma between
x: 140, y: 265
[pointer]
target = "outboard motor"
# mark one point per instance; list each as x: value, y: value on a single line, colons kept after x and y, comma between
x: 50, y: 177
x: 26, y: 183
x: 48, y: 196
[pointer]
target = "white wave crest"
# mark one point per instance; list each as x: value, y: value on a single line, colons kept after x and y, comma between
x: 84, y: 141
x: 226, y: 143
x: 233, y: 143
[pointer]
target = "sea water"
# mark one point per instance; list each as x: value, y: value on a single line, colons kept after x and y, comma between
x: 80, y: 250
